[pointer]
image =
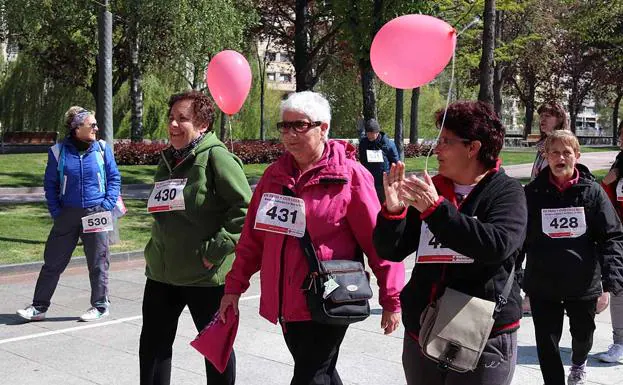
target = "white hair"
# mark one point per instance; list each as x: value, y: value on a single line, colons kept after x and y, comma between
x: 312, y: 104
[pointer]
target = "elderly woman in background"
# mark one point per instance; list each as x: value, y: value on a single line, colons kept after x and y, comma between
x: 81, y: 179
x: 467, y: 225
x: 199, y: 203
x: 340, y: 206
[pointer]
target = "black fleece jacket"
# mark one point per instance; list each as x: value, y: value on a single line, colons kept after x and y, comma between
x: 489, y: 226
x: 573, y: 268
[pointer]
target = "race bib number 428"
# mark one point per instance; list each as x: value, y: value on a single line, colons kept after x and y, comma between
x: 568, y: 222
x: 281, y: 214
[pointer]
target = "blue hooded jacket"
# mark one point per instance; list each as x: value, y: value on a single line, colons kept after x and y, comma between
x: 87, y: 180
x: 390, y: 155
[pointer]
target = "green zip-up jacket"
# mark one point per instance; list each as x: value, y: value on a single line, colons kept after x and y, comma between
x: 216, y: 198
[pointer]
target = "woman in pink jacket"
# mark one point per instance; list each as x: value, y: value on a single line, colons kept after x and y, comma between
x: 340, y: 208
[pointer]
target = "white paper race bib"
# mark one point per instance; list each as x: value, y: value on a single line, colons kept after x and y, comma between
x: 167, y: 195
x: 375, y: 156
x: 281, y: 214
x: 431, y: 251
x: 568, y: 222
x: 620, y: 190
x: 97, y: 223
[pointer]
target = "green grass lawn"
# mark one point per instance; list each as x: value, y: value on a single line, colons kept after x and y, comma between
x: 24, y: 229
x: 26, y: 170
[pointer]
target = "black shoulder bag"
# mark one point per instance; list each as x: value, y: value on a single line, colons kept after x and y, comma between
x: 337, y: 291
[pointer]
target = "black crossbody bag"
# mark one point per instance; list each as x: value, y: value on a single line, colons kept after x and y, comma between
x: 343, y: 304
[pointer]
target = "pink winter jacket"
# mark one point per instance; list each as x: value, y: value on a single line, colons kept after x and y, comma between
x: 341, y: 208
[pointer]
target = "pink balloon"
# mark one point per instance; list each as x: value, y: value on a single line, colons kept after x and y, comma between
x: 229, y: 80
x: 409, y: 51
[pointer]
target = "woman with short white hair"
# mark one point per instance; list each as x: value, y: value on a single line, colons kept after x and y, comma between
x: 336, y: 195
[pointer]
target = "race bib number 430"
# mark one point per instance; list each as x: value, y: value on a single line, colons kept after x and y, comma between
x: 281, y: 214
x: 568, y: 222
x: 167, y: 195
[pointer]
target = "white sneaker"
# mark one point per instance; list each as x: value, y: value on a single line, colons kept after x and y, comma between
x: 93, y: 314
x: 31, y: 314
x: 576, y: 377
x: 614, y: 354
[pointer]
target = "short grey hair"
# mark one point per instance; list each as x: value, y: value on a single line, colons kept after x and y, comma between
x: 312, y: 104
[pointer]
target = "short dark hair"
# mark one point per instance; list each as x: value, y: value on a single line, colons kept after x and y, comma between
x: 203, y: 109
x: 554, y: 108
x: 475, y: 121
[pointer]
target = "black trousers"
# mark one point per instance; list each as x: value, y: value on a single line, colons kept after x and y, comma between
x: 162, y: 306
x: 314, y: 347
x: 548, y: 317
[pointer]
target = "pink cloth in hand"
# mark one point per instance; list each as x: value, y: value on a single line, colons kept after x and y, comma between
x: 216, y: 340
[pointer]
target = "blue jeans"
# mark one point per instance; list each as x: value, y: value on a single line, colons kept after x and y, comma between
x: 496, y: 365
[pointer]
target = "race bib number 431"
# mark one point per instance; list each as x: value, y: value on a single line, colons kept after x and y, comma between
x: 568, y: 222
x: 167, y: 195
x: 281, y: 214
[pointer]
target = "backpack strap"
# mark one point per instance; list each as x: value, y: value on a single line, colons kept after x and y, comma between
x: 102, y: 163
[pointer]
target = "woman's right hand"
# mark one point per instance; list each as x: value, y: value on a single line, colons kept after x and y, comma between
x: 227, y: 301
x: 392, y: 183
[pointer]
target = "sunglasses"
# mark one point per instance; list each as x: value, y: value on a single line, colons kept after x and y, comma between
x: 93, y: 125
x: 299, y: 126
x: 443, y: 141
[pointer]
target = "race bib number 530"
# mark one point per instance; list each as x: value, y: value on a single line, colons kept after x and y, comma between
x: 568, y: 222
x: 97, y: 223
x: 281, y: 214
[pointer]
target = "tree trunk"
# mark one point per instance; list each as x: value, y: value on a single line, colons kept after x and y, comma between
x: 301, y: 46
x: 498, y: 81
x: 262, y: 124
x: 261, y: 65
x: 136, y: 89
x: 367, y: 88
x: 413, y: 124
x: 223, y: 132
x: 486, y: 60
x: 398, y: 127
x: 615, y: 117
x: 529, y: 117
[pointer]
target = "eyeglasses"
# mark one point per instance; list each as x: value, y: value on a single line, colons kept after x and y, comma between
x: 443, y: 141
x: 93, y: 126
x: 299, y: 126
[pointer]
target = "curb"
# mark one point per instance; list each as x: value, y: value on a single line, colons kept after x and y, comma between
x: 32, y: 267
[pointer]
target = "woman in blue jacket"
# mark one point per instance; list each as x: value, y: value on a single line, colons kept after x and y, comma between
x: 81, y: 179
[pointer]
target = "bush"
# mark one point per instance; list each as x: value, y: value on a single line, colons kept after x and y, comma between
x: 249, y: 151
x: 132, y: 154
x: 413, y: 150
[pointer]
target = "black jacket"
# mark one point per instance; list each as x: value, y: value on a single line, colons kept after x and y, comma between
x: 573, y: 268
x: 390, y: 155
x: 489, y: 227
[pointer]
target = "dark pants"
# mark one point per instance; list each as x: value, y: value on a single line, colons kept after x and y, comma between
x: 495, y: 367
x: 60, y: 245
x: 314, y: 347
x: 162, y: 306
x: 548, y: 317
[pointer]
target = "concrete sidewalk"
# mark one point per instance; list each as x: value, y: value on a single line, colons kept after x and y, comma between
x: 65, y: 352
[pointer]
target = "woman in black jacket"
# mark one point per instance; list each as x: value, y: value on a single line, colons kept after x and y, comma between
x: 574, y: 243
x: 467, y: 225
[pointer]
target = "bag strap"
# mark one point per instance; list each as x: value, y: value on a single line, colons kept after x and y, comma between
x: 503, y: 297
x: 306, y: 243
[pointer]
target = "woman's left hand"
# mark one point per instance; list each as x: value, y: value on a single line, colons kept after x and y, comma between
x: 419, y: 193
x: 390, y: 321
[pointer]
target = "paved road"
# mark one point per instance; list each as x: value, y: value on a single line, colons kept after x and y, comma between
x: 66, y: 352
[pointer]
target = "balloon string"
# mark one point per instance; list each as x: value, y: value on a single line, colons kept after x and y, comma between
x: 445, y: 110
x: 231, y: 138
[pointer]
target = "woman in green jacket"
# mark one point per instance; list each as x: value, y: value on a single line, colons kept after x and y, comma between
x: 199, y: 203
